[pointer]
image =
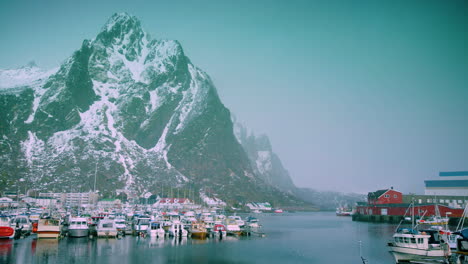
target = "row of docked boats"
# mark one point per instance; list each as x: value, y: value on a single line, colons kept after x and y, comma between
x: 111, y: 225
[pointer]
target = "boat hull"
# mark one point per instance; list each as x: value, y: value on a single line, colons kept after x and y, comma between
x: 7, y: 232
x: 199, y: 235
x: 48, y: 234
x: 107, y: 233
x: 78, y: 232
x: 407, y: 254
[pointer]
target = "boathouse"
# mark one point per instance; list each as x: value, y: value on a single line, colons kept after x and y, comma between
x: 387, y: 196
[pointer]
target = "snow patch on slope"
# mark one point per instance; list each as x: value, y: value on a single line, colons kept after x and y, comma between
x: 263, y: 161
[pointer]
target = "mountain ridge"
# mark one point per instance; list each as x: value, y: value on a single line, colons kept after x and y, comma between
x: 135, y: 112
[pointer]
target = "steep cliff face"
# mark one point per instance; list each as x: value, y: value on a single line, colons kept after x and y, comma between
x: 264, y: 161
x: 131, y: 112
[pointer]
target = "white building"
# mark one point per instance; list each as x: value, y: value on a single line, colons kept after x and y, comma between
x: 259, y: 206
x: 450, y: 183
x: 43, y: 202
x: 109, y: 203
x: 6, y: 202
x: 174, y: 204
x: 72, y: 199
x: 212, y: 201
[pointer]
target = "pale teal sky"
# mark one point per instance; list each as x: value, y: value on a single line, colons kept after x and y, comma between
x: 354, y: 95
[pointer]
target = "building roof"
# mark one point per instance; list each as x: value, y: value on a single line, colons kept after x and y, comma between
x: 446, y: 183
x: 377, y: 193
x: 453, y: 173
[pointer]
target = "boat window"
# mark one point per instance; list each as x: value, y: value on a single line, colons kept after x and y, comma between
x: 83, y: 223
x: 109, y: 225
x: 407, y: 239
x: 413, y: 240
x: 420, y: 240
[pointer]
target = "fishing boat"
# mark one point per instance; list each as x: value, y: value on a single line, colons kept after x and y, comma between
x: 121, y: 225
x: 343, y: 211
x: 198, y: 230
x: 232, y: 227
x: 78, y: 227
x: 238, y: 220
x: 21, y: 222
x: 141, y: 225
x: 177, y: 229
x: 409, y: 244
x: 278, y: 211
x: 6, y: 231
x: 156, y: 230
x: 106, y: 228
x: 219, y: 231
x: 48, y: 228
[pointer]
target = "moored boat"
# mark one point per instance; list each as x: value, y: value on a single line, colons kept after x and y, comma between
x: 219, y: 231
x: 177, y: 229
x: 156, y: 230
x: 48, y: 228
x: 6, y: 231
x: 198, y: 230
x: 413, y: 245
x: 78, y: 227
x: 106, y: 228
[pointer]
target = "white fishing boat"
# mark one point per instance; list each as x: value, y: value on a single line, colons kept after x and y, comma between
x: 48, y: 228
x: 6, y: 231
x: 219, y: 231
x: 141, y: 225
x: 177, y: 229
x: 409, y: 245
x: 232, y: 227
x: 238, y: 220
x: 121, y: 225
x: 106, y: 228
x: 78, y: 227
x: 21, y: 222
x: 156, y: 230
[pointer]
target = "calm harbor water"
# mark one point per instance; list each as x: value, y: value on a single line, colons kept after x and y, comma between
x: 290, y: 238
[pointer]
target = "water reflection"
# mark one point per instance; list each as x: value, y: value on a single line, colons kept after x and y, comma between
x: 298, y: 238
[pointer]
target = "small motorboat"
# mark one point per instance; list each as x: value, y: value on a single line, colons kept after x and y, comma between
x: 6, y: 231
x: 198, y: 230
x: 106, y: 228
x: 177, y: 229
x: 78, y: 227
x: 219, y: 231
x: 48, y: 228
x: 156, y: 230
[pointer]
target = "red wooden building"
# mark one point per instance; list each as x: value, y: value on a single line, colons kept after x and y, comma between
x: 388, y: 196
x: 390, y: 202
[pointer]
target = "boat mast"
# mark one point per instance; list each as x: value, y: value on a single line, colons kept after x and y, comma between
x: 412, y: 215
x: 95, y: 174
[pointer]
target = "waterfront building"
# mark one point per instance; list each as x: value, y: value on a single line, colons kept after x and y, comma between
x: 453, y: 183
x: 72, y: 199
x: 259, y: 206
x: 43, y: 201
x: 386, y: 196
x: 174, y: 204
x: 6, y: 202
x: 109, y: 203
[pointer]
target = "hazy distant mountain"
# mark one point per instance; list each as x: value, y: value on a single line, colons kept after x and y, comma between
x: 264, y: 161
x: 135, y: 111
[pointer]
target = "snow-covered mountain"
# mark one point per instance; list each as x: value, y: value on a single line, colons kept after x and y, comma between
x: 131, y: 112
